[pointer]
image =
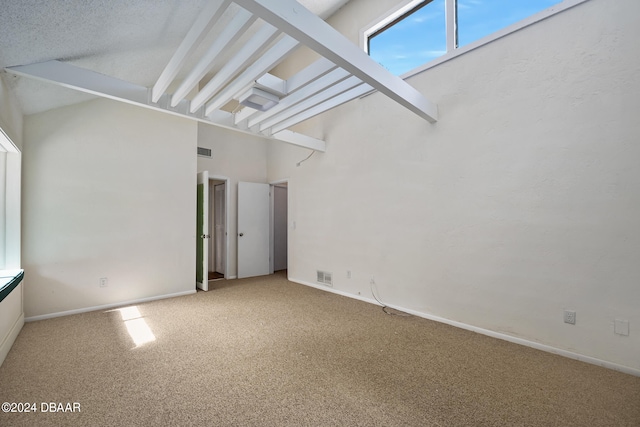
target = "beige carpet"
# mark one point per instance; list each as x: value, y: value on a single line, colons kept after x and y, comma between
x: 267, y: 352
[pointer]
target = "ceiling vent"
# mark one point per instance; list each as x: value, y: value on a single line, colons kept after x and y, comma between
x: 204, y: 152
x: 324, y: 277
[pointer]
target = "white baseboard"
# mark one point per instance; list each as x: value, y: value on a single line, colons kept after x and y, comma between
x: 493, y: 334
x: 106, y: 306
x: 335, y: 291
x: 232, y: 277
x: 10, y: 338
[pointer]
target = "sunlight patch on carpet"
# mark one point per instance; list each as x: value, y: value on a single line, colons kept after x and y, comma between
x: 136, y: 326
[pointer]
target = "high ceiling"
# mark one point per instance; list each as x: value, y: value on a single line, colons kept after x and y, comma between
x: 207, y: 60
x: 128, y: 39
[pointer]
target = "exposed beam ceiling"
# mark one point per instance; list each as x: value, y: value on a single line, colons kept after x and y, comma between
x: 343, y: 73
x: 77, y: 78
x: 196, y: 34
x: 293, y: 19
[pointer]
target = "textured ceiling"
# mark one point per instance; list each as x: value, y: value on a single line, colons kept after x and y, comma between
x: 129, y: 39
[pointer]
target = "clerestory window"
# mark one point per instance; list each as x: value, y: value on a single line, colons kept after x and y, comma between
x: 423, y: 32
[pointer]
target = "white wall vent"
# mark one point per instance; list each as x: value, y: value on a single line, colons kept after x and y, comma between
x: 204, y: 152
x: 324, y: 277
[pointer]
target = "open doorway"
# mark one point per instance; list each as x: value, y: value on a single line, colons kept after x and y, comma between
x: 218, y: 226
x: 279, y: 226
x: 211, y: 229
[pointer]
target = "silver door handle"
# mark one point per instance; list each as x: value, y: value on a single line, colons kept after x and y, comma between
x: 205, y: 236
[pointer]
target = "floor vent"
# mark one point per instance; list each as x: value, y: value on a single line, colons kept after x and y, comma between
x: 324, y: 277
x: 204, y: 152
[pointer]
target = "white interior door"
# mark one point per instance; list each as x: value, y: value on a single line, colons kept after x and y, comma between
x: 253, y: 229
x: 202, y: 232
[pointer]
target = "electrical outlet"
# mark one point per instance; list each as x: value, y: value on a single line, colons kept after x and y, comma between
x: 570, y: 317
x: 103, y: 282
x: 348, y: 274
x: 621, y: 327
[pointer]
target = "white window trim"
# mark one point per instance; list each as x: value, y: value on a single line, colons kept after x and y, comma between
x: 384, y: 19
x: 12, y: 202
x: 6, y: 144
x: 452, y: 51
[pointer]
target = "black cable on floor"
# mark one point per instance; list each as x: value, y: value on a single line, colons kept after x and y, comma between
x: 384, y: 306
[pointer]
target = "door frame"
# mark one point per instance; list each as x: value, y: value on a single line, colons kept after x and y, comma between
x: 227, y: 199
x: 203, y: 216
x: 226, y: 181
x: 213, y: 253
x: 272, y: 220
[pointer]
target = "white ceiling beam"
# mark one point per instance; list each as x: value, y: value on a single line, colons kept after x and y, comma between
x: 206, y: 20
x: 244, y: 114
x: 294, y: 19
x: 271, y: 84
x: 232, y: 32
x: 334, y: 90
x: 312, y: 72
x: 265, y: 35
x: 70, y: 76
x: 321, y: 108
x: 266, y: 62
x: 301, y: 140
x: 322, y: 83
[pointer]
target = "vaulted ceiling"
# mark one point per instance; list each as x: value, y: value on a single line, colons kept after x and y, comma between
x: 195, y: 59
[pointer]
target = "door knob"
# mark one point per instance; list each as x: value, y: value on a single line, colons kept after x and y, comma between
x: 241, y: 234
x: 205, y: 236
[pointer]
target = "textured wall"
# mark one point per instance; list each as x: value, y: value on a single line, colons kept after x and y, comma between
x: 520, y: 202
x: 108, y: 191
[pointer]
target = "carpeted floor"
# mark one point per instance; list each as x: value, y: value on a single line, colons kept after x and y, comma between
x: 268, y: 352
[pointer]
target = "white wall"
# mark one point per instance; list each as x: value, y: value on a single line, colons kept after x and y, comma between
x: 11, y: 308
x: 109, y: 191
x: 238, y: 157
x: 522, y: 201
x: 11, y: 320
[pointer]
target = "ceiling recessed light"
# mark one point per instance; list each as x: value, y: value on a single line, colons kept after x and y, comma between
x: 259, y: 99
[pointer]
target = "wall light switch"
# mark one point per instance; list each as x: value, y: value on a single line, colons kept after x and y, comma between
x: 621, y: 327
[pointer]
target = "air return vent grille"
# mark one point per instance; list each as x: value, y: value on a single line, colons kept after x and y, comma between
x: 324, y: 277
x: 204, y: 152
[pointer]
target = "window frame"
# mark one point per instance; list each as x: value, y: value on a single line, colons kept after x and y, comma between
x: 407, y: 7
x: 12, y: 203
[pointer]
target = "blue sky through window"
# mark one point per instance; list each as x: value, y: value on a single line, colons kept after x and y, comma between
x: 415, y: 40
x: 421, y: 36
